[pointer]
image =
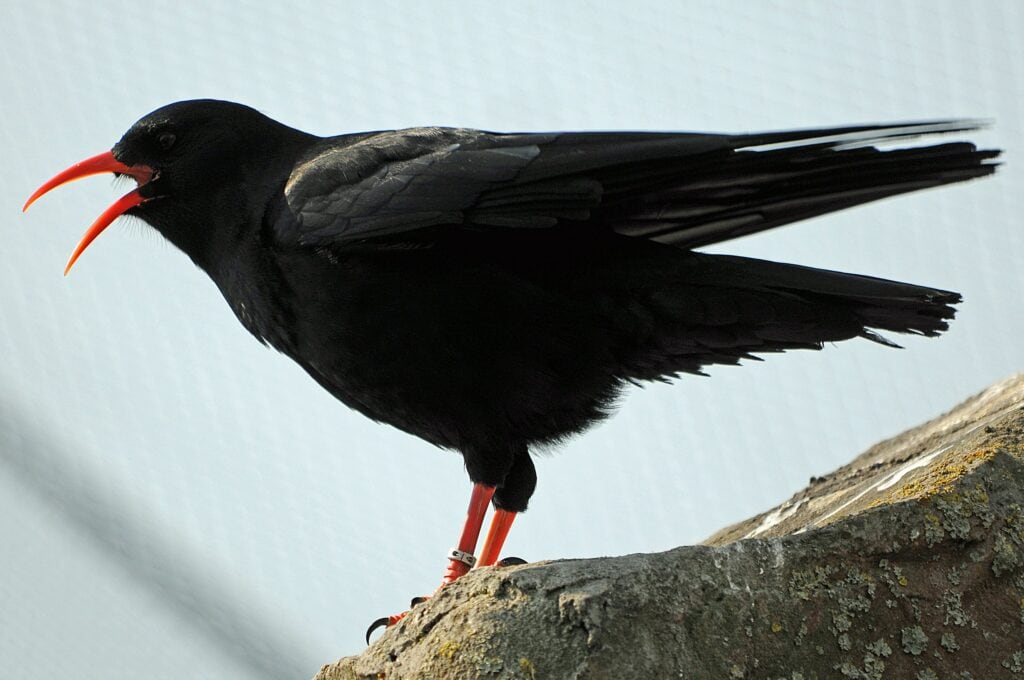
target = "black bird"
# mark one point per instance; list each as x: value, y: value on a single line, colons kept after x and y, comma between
x: 494, y: 292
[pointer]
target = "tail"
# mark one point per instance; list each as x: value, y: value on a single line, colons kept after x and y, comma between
x: 732, y: 308
x: 771, y: 179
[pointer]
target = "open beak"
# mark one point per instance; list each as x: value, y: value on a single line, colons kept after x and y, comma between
x: 98, y: 164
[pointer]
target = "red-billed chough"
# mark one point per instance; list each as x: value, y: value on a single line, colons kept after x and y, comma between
x: 490, y: 293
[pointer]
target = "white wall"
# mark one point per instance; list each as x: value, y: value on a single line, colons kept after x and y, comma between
x: 174, y: 497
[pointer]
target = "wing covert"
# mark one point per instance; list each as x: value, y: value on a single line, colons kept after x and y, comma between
x: 389, y: 183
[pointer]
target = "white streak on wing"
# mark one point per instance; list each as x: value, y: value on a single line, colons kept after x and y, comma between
x: 880, y: 136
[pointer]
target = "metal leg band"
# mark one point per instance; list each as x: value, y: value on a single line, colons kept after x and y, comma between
x: 466, y: 558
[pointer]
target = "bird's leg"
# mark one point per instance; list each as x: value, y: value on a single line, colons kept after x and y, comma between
x: 461, y: 559
x: 500, y: 525
x: 509, y: 500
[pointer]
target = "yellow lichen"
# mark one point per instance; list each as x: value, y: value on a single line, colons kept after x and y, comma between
x: 908, y: 490
x: 776, y: 627
x: 940, y: 477
x: 526, y: 666
x: 448, y: 649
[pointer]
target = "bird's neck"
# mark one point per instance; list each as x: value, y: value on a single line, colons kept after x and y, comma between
x: 254, y: 289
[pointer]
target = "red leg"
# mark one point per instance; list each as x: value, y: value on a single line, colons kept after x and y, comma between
x: 500, y: 525
x: 461, y: 558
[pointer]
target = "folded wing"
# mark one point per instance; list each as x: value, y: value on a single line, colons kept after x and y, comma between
x: 686, y: 189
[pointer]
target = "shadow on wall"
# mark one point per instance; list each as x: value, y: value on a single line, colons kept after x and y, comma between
x: 123, y: 533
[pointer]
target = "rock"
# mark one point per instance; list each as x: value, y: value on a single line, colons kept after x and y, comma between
x: 906, y: 563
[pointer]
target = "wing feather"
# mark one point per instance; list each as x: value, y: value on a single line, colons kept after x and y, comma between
x: 686, y: 189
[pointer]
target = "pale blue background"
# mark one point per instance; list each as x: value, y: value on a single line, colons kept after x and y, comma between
x: 178, y: 502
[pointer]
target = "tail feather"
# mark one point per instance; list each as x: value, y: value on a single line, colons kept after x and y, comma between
x: 731, y: 308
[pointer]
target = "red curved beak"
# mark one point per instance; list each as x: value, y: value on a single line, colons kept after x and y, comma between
x: 98, y: 164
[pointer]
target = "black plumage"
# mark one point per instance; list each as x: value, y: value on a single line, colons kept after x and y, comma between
x: 493, y: 292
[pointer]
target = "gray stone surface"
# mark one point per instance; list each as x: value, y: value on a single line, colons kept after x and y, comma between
x: 906, y: 563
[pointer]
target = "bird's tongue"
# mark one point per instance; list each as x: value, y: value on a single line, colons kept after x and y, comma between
x: 98, y: 164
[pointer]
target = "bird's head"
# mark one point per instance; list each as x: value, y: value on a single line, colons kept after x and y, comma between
x: 198, y: 164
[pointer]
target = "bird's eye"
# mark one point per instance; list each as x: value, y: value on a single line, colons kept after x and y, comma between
x: 166, y: 140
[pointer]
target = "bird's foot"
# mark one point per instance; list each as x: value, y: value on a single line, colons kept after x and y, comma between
x: 459, y: 564
x: 388, y: 621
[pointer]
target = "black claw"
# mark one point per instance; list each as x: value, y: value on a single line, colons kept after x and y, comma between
x: 382, y: 622
x: 417, y: 600
x: 511, y: 561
